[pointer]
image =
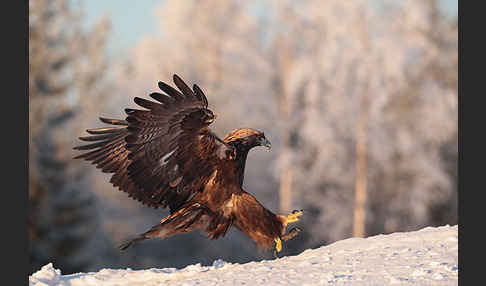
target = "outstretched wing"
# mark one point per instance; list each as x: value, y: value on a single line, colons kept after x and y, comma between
x: 161, y: 155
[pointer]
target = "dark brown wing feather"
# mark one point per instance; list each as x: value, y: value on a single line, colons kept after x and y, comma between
x: 161, y: 155
x: 110, y: 155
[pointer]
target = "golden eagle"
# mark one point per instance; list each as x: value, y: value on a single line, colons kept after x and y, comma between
x: 166, y: 155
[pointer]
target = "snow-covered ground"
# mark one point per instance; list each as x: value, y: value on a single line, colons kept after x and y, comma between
x: 425, y: 257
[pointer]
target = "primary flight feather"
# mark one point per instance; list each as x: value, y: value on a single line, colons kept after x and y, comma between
x: 165, y: 155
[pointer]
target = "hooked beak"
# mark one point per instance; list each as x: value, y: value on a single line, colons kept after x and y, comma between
x: 211, y: 120
x: 266, y: 143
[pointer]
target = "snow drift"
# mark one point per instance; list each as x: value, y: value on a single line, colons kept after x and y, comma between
x: 425, y: 257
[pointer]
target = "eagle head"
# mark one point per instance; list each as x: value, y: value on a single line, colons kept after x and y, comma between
x: 247, y: 138
x: 208, y: 116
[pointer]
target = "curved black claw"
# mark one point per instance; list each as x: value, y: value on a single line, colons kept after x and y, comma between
x: 275, y: 253
x: 296, y: 229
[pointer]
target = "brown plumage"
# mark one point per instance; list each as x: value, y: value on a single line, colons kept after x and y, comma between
x: 166, y: 156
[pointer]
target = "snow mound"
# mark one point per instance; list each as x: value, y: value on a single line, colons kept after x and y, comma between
x: 425, y: 257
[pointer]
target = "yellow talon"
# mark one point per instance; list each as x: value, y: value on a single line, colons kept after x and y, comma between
x: 294, y: 216
x: 278, y: 245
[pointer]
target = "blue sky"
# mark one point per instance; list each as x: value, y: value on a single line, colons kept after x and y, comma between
x: 131, y: 20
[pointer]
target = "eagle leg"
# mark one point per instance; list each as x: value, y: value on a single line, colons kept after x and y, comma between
x: 294, y: 216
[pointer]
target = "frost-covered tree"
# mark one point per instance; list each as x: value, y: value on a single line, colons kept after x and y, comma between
x: 352, y: 61
x: 66, y: 65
